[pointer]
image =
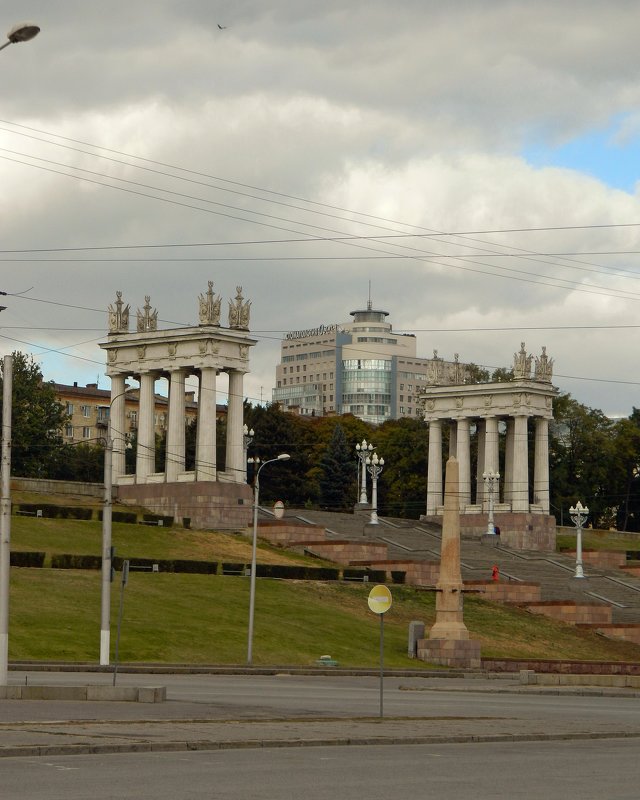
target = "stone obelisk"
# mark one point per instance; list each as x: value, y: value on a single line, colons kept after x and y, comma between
x: 449, y: 643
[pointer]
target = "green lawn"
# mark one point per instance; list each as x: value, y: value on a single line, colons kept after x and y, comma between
x: 174, y: 618
x: 55, y: 615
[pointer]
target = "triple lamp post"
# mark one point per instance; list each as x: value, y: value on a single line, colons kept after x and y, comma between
x: 368, y: 461
x: 491, y: 482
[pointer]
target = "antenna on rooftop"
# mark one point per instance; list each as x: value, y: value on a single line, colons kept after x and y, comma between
x: 369, y: 300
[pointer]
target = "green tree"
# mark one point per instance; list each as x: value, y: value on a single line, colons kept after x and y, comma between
x: 626, y: 472
x: 338, y: 473
x: 581, y: 458
x: 37, y: 420
x: 402, y: 485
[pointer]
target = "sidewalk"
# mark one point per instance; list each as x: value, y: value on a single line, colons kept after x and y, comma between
x: 59, y: 727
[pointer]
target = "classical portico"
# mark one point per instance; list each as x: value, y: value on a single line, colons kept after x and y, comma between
x: 177, y: 354
x: 520, y: 411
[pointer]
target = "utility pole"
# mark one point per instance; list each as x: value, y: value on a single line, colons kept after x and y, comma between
x: 5, y: 517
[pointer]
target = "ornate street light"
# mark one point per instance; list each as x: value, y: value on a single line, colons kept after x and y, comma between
x: 491, y: 482
x: 247, y: 438
x: 374, y: 468
x: 362, y: 452
x: 21, y: 32
x: 578, y: 514
x: 252, y: 590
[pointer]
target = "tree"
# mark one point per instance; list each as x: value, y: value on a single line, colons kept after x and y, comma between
x: 581, y: 458
x: 338, y: 473
x: 37, y: 420
x: 402, y: 485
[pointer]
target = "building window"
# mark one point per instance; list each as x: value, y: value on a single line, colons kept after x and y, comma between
x: 85, y: 411
x: 70, y: 408
x: 86, y: 433
x: 68, y: 431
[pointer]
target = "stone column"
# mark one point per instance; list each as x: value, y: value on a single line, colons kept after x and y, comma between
x: 464, y: 462
x: 492, y: 452
x: 117, y: 426
x: 145, y: 455
x: 541, y: 465
x: 206, y: 444
x: 434, y: 468
x: 453, y: 439
x: 508, y: 461
x: 234, y: 467
x: 175, y: 428
x: 481, y: 437
x: 520, y: 487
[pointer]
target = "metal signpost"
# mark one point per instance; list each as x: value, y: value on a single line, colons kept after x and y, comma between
x: 125, y: 579
x: 379, y: 601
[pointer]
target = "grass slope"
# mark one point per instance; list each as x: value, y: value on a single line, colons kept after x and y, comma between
x: 173, y: 618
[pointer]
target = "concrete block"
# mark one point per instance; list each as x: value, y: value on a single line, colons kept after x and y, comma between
x: 152, y: 694
x: 528, y: 677
x: 416, y: 632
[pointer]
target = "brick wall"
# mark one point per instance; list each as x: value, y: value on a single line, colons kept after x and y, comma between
x: 506, y: 592
x: 572, y: 612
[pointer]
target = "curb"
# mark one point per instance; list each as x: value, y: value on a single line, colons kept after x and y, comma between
x: 202, y: 745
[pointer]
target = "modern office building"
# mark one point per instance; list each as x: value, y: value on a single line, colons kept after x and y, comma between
x: 359, y: 367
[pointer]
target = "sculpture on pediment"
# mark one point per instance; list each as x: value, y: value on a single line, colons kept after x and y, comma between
x: 522, y: 364
x: 147, y: 319
x: 544, y: 367
x: 239, y: 311
x: 118, y: 316
x: 209, y: 307
x: 457, y: 371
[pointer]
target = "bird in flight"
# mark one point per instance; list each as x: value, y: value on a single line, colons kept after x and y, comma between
x: 222, y: 27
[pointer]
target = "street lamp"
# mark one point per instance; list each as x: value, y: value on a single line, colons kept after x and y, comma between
x: 578, y: 514
x: 374, y: 468
x: 21, y: 32
x: 252, y: 590
x: 491, y: 479
x: 5, y: 516
x: 247, y: 438
x: 105, y: 601
x: 363, y: 451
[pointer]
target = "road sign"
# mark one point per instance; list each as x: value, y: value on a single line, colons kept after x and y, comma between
x: 379, y: 599
x: 278, y: 509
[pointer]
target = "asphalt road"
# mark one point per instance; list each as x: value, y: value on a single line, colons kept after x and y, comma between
x: 602, y: 770
x: 198, y: 696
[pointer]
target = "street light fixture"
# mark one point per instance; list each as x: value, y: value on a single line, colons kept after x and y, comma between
x: 247, y: 438
x: 491, y: 479
x: 252, y: 590
x: 578, y: 514
x: 362, y: 452
x: 374, y: 468
x: 21, y: 32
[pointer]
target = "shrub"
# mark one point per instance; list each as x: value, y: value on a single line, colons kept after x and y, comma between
x: 26, y: 559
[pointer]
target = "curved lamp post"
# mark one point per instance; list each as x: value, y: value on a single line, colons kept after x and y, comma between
x: 21, y: 32
x: 363, y: 451
x: 491, y: 479
x: 252, y: 590
x: 374, y: 468
x: 105, y: 601
x: 578, y: 514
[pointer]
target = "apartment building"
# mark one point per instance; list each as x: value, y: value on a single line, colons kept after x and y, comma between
x: 88, y: 410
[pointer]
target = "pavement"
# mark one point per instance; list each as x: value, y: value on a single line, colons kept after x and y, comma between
x: 32, y: 728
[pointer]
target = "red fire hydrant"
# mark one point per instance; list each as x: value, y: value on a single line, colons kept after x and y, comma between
x: 495, y: 573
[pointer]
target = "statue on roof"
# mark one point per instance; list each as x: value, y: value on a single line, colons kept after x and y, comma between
x: 239, y: 311
x: 544, y: 367
x: 147, y: 319
x: 522, y: 364
x: 118, y: 316
x: 209, y: 307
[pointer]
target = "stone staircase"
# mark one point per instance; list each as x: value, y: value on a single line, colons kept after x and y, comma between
x: 408, y: 540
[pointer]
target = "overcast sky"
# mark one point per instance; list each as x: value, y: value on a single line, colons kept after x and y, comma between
x: 176, y: 152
